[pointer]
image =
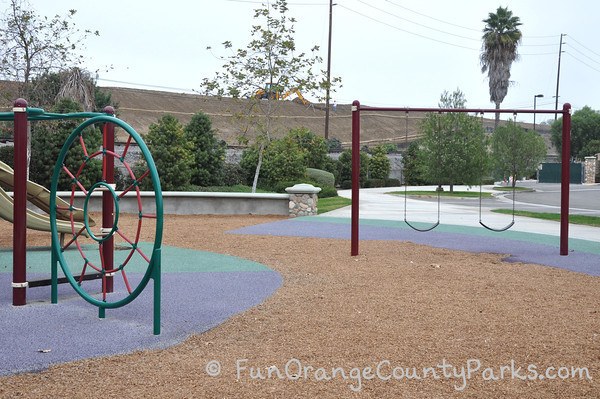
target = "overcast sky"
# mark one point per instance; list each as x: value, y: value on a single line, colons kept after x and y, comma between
x: 392, y: 53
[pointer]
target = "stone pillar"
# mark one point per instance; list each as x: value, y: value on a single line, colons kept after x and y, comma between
x: 589, y: 170
x: 303, y: 199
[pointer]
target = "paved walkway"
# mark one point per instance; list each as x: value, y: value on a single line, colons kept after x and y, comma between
x: 376, y: 204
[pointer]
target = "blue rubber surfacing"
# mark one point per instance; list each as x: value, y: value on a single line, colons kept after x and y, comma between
x: 200, y: 290
x: 541, y: 249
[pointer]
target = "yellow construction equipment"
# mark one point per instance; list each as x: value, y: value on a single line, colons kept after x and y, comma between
x: 274, y: 92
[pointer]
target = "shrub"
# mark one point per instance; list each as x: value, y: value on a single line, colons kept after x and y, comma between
x: 345, y: 166
x: 172, y: 153
x: 208, y: 152
x: 346, y: 184
x: 233, y: 174
x: 379, y: 164
x: 334, y: 145
x: 248, y: 164
x: 283, y: 160
x: 315, y: 147
x: 328, y: 191
x: 7, y: 154
x: 47, y: 139
x: 392, y: 183
x: 372, y: 183
x: 321, y: 177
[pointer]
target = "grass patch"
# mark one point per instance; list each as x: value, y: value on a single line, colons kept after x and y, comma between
x: 331, y: 203
x: 593, y: 221
x: 451, y: 194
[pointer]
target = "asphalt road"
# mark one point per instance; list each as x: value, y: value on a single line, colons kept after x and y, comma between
x: 583, y: 199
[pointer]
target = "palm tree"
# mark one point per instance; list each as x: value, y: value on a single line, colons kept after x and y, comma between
x: 501, y: 36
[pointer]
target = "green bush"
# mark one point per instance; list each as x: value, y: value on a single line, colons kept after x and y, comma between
x: 392, y: 183
x: 233, y: 174
x: 372, y: 183
x: 283, y: 160
x: 7, y: 154
x: 346, y: 184
x: 172, y: 153
x: 379, y: 164
x: 315, y: 147
x: 47, y: 139
x: 321, y: 177
x: 345, y: 166
x: 208, y: 152
x: 334, y: 145
x: 248, y: 164
x: 327, y: 192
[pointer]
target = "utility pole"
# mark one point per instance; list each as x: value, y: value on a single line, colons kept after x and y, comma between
x: 328, y: 73
x: 558, y: 73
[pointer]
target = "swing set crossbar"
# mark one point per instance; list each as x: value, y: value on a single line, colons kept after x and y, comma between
x: 565, y: 160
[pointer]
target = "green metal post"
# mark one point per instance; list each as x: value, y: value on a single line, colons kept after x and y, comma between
x: 156, y: 277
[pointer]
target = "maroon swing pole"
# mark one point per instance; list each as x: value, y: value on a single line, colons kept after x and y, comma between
x: 107, y: 198
x: 565, y: 179
x: 19, y: 283
x: 355, y: 176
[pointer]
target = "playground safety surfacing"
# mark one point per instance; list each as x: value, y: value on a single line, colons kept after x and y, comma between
x: 541, y: 249
x: 200, y: 290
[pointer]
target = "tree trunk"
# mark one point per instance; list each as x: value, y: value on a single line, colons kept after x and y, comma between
x: 497, y: 117
x: 258, y: 165
x: 451, y: 188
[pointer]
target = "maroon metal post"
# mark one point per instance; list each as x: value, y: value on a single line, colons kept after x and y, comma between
x: 355, y: 176
x: 107, y: 198
x: 19, y: 284
x: 565, y: 179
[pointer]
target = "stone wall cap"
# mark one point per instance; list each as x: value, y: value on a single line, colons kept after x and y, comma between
x: 303, y: 188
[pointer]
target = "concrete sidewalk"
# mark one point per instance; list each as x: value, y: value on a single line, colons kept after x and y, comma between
x: 375, y: 203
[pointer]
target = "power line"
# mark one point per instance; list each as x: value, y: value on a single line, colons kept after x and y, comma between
x: 585, y: 55
x: 416, y: 23
x: 406, y: 31
x: 435, y: 19
x: 591, y: 51
x: 583, y: 62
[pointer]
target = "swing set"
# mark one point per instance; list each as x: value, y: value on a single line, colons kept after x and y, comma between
x: 565, y: 178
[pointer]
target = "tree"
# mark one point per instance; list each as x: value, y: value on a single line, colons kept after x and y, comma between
x: 501, y: 38
x: 315, y: 147
x: 412, y: 165
x: 585, y: 127
x: 271, y: 63
x: 48, y: 138
x: 32, y: 45
x: 379, y: 164
x: 453, y: 144
x: 345, y: 167
x: 516, y: 152
x: 171, y: 152
x: 209, y: 153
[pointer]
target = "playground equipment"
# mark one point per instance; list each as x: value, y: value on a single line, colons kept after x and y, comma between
x: 437, y: 223
x: 565, y: 178
x: 102, y: 262
x: 40, y: 197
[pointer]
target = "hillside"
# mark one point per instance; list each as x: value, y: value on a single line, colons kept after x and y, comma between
x: 140, y: 108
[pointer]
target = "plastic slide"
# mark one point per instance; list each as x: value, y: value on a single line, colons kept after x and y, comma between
x: 40, y: 197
